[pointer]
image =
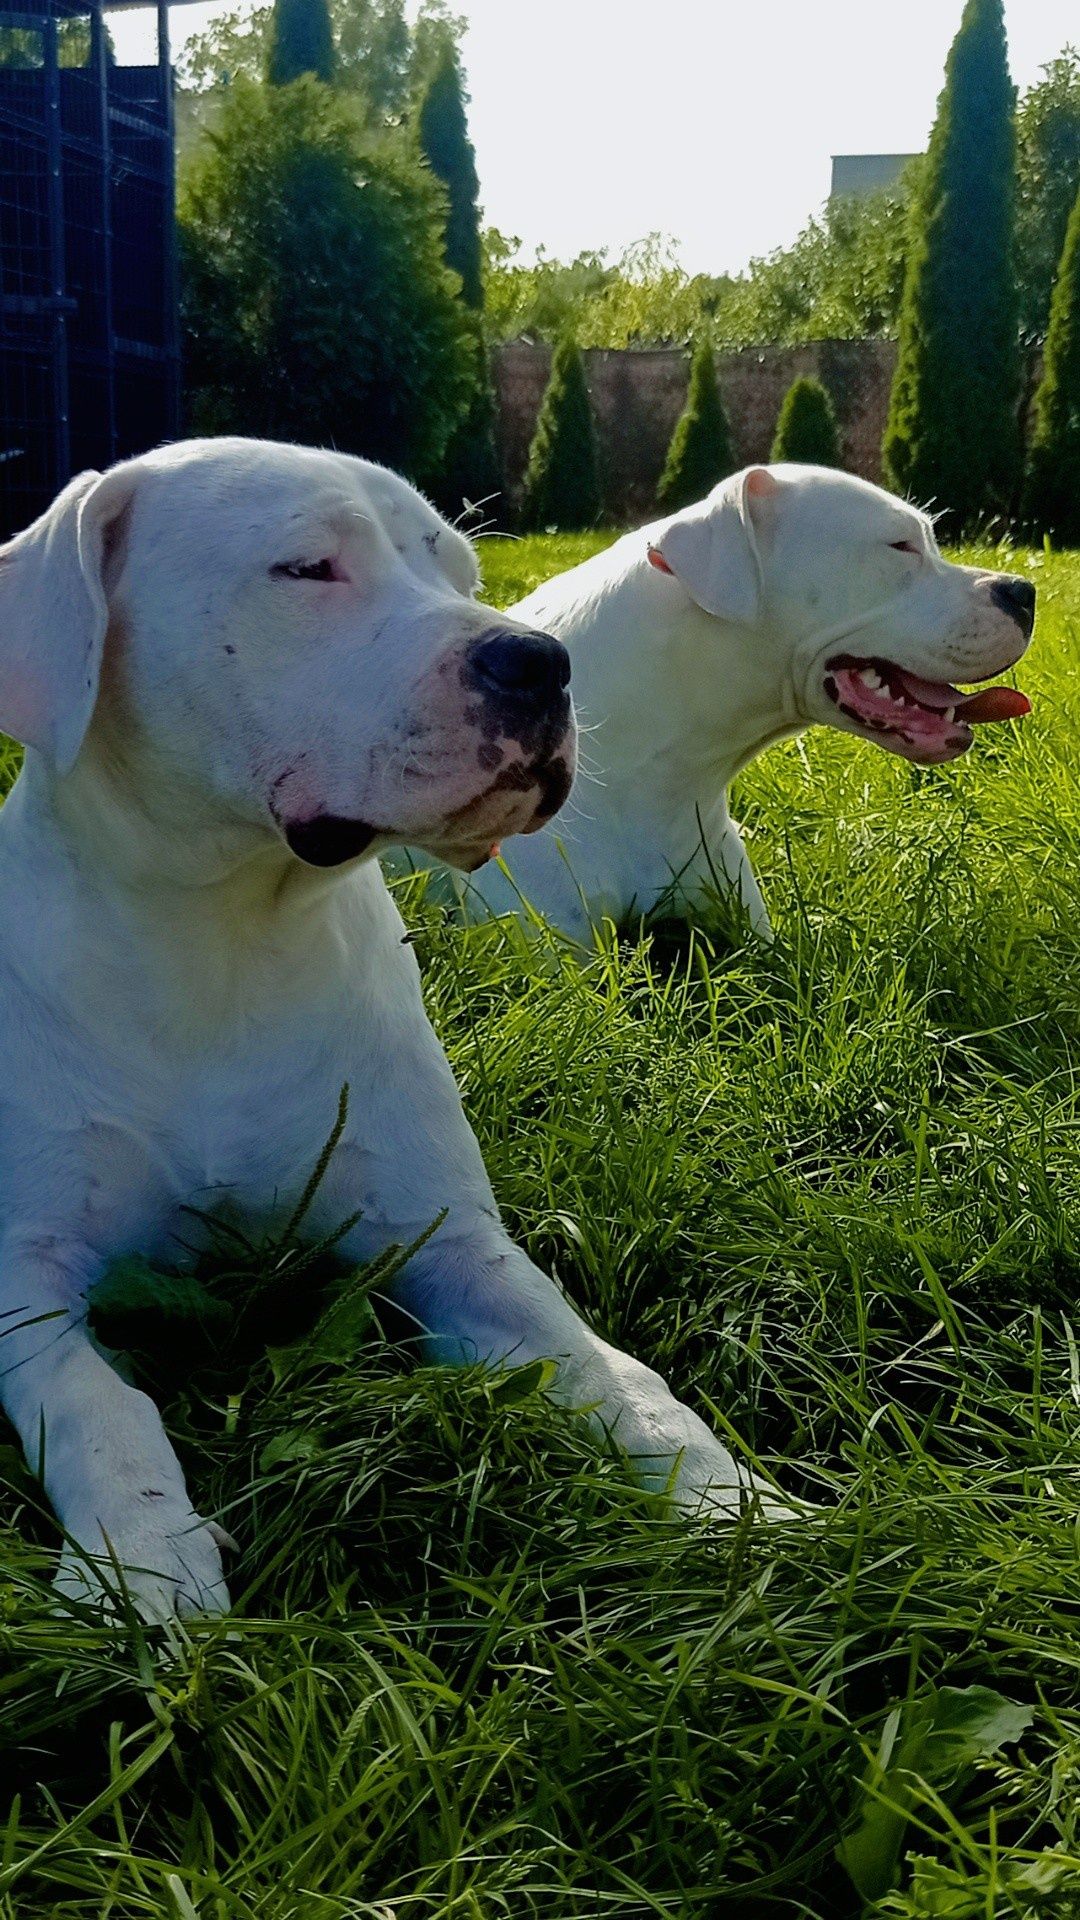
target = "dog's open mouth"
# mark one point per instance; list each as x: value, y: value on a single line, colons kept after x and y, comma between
x: 925, y: 720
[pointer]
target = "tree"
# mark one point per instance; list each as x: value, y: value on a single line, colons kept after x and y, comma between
x: 443, y: 134
x: 953, y: 433
x: 806, y: 430
x: 561, y: 484
x: 700, y: 452
x: 1052, y: 493
x: 315, y: 300
x: 1048, y: 164
x: 469, y: 469
x: 301, y: 41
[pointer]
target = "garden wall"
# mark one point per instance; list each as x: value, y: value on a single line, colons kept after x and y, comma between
x: 637, y: 397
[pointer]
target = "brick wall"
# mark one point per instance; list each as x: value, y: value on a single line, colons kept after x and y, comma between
x: 637, y: 397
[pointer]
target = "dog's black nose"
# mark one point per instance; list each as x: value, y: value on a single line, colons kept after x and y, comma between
x: 1016, y: 597
x: 526, y: 667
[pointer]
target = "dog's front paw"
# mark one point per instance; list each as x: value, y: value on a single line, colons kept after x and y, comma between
x: 162, y: 1556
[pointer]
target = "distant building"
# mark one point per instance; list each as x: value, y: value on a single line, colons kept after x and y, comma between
x: 862, y: 173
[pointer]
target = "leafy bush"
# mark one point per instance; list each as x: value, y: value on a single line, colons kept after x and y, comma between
x: 316, y: 303
x: 806, y: 429
x: 561, y: 485
x: 953, y: 437
x: 700, y: 452
x: 841, y: 279
x: 1052, y: 494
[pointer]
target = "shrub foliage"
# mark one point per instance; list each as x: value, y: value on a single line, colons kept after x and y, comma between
x: 953, y: 435
x: 806, y: 429
x: 316, y: 303
x: 562, y: 488
x: 700, y: 453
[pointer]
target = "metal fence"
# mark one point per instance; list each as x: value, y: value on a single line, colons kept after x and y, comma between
x: 89, y: 362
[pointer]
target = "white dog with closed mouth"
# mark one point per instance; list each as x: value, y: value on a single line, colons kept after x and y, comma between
x: 791, y: 597
x: 240, y: 670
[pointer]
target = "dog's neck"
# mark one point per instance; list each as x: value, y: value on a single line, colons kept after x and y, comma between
x: 217, y: 907
x: 688, y: 701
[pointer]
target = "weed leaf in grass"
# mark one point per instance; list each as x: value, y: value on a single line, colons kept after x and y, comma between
x: 520, y: 1383
x: 296, y: 1443
x: 947, y: 1731
x: 938, y: 1892
x: 133, y: 1289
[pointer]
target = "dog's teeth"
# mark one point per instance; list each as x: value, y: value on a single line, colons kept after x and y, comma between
x: 949, y: 713
x: 870, y: 679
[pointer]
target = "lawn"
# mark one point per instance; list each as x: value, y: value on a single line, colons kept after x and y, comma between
x: 833, y: 1191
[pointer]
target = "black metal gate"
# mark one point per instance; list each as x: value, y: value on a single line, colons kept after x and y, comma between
x: 89, y: 362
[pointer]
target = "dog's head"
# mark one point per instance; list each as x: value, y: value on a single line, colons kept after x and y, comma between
x: 288, y: 641
x: 842, y: 592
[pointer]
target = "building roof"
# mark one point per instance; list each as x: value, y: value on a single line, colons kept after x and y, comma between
x: 866, y: 172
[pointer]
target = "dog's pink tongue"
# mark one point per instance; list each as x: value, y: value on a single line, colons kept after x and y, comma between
x: 993, y: 703
x: 928, y: 693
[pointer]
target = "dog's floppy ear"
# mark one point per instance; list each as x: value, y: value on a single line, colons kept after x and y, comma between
x: 712, y: 548
x: 53, y: 616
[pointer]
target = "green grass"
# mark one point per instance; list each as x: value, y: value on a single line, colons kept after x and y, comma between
x: 833, y: 1191
x: 511, y: 568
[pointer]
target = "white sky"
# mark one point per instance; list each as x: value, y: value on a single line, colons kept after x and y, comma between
x: 598, y: 121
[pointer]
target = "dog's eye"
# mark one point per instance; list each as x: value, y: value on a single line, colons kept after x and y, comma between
x: 306, y: 570
x: 904, y: 546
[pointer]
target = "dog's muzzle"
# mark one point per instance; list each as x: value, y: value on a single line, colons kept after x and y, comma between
x: 925, y: 721
x: 520, y: 716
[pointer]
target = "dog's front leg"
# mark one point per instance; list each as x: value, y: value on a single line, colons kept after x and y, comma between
x: 728, y: 865
x: 479, y: 1298
x: 112, y: 1477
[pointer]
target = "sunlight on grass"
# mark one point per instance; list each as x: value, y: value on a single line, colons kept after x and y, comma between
x: 832, y: 1190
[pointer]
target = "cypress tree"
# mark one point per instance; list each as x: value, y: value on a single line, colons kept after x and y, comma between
x: 469, y: 470
x: 561, y: 484
x: 443, y: 132
x: 1052, y: 493
x: 700, y: 451
x: 301, y: 41
x: 806, y: 430
x: 952, y: 439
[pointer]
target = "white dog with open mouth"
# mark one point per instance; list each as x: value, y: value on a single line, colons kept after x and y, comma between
x: 240, y: 670
x: 792, y: 596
